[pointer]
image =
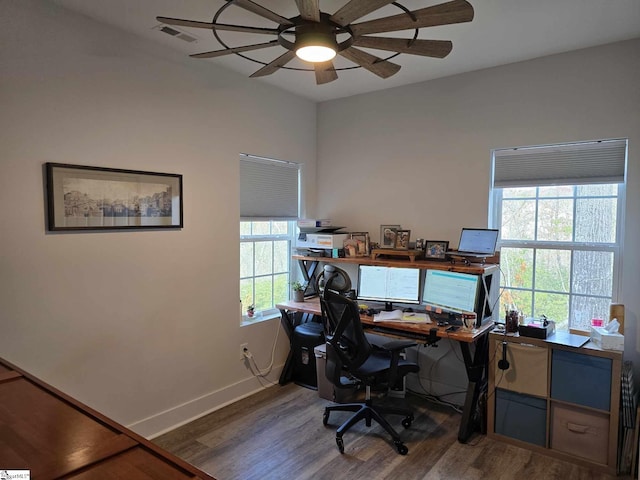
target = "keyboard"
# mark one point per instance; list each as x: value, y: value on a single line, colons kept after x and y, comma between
x: 403, y: 333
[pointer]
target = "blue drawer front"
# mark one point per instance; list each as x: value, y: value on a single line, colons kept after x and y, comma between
x: 521, y: 417
x: 581, y: 379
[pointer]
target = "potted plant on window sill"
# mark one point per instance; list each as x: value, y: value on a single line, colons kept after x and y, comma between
x: 251, y: 310
x: 298, y: 291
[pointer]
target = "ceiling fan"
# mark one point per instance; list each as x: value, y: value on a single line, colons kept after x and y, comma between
x: 317, y: 37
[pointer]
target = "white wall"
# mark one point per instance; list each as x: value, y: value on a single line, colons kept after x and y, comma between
x: 419, y: 155
x: 141, y: 325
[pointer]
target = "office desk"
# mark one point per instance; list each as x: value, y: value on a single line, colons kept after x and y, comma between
x: 294, y: 313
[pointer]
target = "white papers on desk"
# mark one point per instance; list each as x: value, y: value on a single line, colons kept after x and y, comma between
x: 400, y: 316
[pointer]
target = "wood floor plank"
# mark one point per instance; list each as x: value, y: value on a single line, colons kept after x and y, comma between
x: 278, y: 433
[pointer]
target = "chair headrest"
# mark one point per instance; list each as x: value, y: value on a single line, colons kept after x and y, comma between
x: 334, y: 278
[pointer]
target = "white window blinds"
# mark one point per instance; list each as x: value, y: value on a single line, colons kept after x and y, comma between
x: 268, y: 188
x: 570, y: 164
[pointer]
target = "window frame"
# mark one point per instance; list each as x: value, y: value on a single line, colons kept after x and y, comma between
x: 272, y: 312
x: 616, y: 248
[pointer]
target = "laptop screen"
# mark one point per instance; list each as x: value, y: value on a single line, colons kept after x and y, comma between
x: 478, y: 240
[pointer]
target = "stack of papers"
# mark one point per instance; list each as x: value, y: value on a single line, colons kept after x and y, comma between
x: 400, y: 316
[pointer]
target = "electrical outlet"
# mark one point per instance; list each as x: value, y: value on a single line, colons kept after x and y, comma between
x: 244, y: 347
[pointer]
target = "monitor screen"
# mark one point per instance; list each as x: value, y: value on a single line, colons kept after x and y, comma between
x: 451, y: 291
x: 478, y: 240
x: 388, y: 284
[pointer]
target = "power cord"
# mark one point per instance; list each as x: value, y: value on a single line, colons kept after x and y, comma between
x: 259, y: 372
x: 437, y: 399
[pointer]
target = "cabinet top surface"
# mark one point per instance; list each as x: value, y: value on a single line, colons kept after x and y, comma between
x: 588, y: 348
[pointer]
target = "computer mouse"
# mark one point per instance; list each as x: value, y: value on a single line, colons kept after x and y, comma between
x: 408, y: 309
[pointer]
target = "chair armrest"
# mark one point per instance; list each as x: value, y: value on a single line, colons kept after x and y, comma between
x: 395, y: 345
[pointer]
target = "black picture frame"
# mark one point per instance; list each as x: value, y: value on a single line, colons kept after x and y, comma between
x: 436, y: 249
x: 83, y: 197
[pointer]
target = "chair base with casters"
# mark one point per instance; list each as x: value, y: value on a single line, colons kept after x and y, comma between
x: 367, y: 411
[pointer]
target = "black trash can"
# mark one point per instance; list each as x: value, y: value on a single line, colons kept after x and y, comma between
x: 305, y: 337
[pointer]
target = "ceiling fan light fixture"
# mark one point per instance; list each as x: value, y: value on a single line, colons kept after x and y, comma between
x: 315, y: 53
x: 315, y: 47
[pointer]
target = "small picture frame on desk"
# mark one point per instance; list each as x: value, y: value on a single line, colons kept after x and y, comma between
x: 436, y: 249
x: 402, y: 239
x: 357, y: 245
x: 388, y: 235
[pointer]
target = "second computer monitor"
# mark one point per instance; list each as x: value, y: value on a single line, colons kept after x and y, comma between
x: 389, y: 284
x: 450, y: 291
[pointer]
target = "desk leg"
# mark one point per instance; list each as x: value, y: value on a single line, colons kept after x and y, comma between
x: 288, y: 326
x: 308, y: 268
x: 477, y: 383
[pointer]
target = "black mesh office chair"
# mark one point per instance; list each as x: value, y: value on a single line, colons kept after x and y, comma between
x: 352, y: 360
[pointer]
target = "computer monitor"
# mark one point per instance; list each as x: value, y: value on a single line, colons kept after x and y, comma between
x: 389, y: 284
x: 478, y: 241
x: 452, y: 292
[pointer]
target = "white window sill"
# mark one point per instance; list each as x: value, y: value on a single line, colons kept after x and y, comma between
x: 258, y: 317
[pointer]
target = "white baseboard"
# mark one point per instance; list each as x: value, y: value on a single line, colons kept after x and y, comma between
x: 163, y: 422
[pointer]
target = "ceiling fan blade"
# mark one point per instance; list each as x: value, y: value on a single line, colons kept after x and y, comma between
x: 325, y: 72
x: 309, y: 9
x: 228, y: 51
x: 185, y: 23
x: 457, y: 11
x: 217, y: 26
x: 357, y: 9
x: 427, y: 48
x: 281, y: 61
x: 260, y: 10
x: 376, y: 65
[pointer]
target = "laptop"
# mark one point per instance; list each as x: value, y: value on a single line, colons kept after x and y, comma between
x: 477, y: 242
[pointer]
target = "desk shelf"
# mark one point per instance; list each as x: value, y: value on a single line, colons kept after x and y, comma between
x: 389, y: 252
x: 474, y: 268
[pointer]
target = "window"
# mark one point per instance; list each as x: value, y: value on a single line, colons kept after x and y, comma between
x: 265, y: 263
x: 560, y: 246
x: 269, y: 199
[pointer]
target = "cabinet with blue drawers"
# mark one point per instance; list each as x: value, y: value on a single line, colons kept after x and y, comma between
x: 555, y: 399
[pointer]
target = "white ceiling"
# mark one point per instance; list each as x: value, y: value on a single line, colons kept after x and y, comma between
x: 502, y: 31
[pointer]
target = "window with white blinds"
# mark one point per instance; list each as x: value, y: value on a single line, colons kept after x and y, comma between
x: 559, y: 211
x: 269, y: 199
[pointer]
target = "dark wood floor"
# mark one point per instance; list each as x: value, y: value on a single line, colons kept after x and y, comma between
x: 278, y: 433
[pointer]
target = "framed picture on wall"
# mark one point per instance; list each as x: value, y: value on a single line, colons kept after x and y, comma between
x: 96, y: 198
x: 388, y: 235
x: 436, y: 249
x: 402, y: 239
